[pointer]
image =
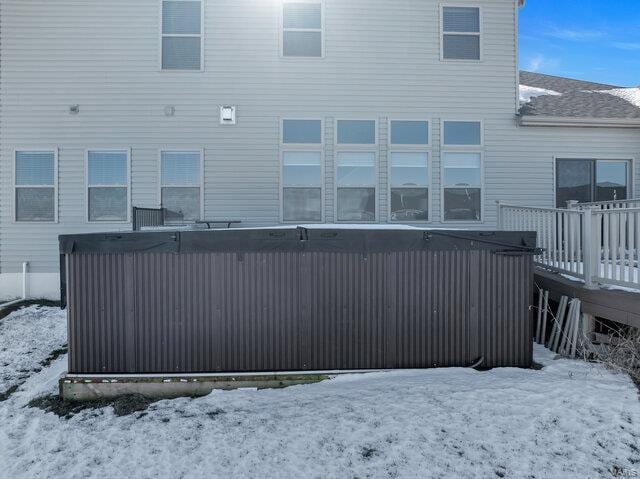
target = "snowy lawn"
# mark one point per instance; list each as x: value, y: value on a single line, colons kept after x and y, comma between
x: 27, y: 338
x: 570, y: 419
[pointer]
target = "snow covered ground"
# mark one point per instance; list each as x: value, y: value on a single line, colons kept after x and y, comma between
x: 27, y: 337
x: 569, y: 419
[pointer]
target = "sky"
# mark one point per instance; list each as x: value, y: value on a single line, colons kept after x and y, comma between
x: 595, y: 40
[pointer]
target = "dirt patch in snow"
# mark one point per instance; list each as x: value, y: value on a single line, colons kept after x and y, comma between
x: 30, y: 339
x: 122, y: 405
x: 30, y: 302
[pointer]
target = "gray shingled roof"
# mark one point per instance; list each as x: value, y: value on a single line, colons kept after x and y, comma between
x: 578, y: 99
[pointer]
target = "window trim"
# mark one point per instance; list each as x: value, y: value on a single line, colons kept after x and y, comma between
x: 631, y: 171
x: 403, y: 148
x: 281, y: 30
x: 301, y: 147
x: 200, y: 185
x: 15, y: 186
x: 478, y: 149
x: 87, y: 185
x: 480, y: 34
x: 162, y: 35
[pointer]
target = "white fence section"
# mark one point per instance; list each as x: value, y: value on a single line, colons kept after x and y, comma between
x: 607, y: 205
x: 598, y: 243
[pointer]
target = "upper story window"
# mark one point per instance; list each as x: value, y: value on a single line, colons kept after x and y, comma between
x: 302, y: 170
x: 302, y: 28
x: 182, y: 35
x: 409, y: 171
x: 460, y: 33
x: 108, y: 185
x: 181, y: 184
x: 36, y: 186
x: 462, y: 171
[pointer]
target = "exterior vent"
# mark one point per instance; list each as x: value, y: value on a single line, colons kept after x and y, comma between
x: 227, y: 115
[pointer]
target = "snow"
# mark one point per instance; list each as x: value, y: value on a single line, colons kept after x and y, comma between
x: 627, y: 274
x: 569, y: 419
x: 527, y: 93
x: 28, y: 336
x: 632, y: 95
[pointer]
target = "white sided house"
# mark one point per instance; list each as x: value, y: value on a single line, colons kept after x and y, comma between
x: 286, y: 112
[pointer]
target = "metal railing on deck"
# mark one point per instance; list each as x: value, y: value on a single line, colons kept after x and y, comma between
x: 598, y: 243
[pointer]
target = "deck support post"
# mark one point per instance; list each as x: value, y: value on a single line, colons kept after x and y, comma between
x: 588, y: 248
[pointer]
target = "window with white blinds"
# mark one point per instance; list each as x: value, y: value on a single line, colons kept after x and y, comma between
x: 461, y: 33
x: 302, y: 28
x: 35, y: 186
x: 181, y: 35
x: 409, y: 171
x: 181, y: 184
x: 462, y: 170
x: 302, y: 170
x: 108, y: 185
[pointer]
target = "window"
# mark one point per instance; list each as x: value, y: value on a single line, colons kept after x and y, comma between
x: 356, y: 170
x: 181, y: 184
x: 462, y: 133
x: 302, y: 170
x: 460, y: 33
x: 409, y: 132
x: 356, y: 180
x: 356, y: 132
x: 181, y: 35
x: 302, y: 26
x: 591, y: 180
x: 462, y: 171
x: 108, y: 185
x: 408, y: 171
x: 35, y: 186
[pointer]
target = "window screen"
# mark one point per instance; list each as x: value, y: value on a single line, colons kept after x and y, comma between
x: 35, y: 186
x: 181, y: 35
x: 461, y: 33
x: 302, y: 172
x: 462, y: 184
x: 180, y: 185
x: 409, y: 186
x: 302, y: 29
x: 108, y: 180
x: 356, y: 132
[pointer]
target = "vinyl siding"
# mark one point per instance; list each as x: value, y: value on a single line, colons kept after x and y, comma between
x: 382, y: 61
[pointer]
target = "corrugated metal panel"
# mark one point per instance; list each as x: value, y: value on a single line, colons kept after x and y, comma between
x: 210, y: 312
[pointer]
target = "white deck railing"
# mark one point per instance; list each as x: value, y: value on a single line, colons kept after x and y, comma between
x: 598, y: 243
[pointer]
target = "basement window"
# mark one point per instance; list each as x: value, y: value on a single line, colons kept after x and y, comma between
x: 35, y: 185
x: 460, y: 33
x: 182, y: 35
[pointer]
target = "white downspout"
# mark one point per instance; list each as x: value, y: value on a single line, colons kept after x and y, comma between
x: 25, y: 265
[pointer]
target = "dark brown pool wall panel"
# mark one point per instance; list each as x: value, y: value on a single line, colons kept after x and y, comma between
x: 296, y: 299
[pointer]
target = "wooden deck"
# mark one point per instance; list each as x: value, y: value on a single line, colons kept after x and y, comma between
x: 615, y: 305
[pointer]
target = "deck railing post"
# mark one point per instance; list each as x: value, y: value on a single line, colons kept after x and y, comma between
x: 500, y: 213
x: 588, y: 247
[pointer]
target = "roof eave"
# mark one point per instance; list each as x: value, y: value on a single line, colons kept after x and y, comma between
x: 539, y: 120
